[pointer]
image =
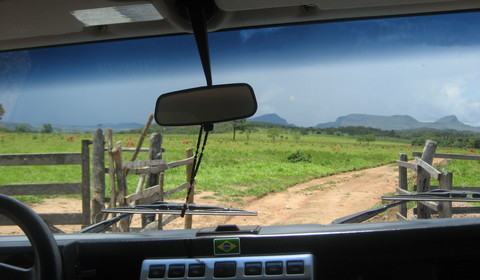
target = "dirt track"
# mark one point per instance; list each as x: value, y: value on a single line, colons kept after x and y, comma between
x: 317, y: 201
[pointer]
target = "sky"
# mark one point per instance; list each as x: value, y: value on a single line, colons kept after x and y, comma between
x: 425, y: 67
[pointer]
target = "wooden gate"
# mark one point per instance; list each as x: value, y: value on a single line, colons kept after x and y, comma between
x: 424, y: 171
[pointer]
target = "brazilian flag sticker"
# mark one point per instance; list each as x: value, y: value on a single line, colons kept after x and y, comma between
x: 226, y: 246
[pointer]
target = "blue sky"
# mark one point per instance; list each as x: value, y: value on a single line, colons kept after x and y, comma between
x: 426, y: 67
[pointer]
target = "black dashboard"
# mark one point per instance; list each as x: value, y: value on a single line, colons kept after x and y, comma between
x: 420, y: 249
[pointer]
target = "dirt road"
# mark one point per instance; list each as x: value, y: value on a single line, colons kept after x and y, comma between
x: 317, y: 201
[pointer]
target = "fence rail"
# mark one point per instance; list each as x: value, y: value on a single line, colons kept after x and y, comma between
x: 52, y: 219
x: 449, y: 156
x: 40, y: 159
x: 42, y: 189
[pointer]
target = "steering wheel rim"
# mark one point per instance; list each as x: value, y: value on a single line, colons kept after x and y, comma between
x: 48, y: 262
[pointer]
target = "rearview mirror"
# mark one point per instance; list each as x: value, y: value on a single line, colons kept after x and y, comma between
x: 211, y: 104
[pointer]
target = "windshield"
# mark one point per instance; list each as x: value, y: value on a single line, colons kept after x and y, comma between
x: 337, y: 103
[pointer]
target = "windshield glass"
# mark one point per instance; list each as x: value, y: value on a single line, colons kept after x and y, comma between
x: 337, y: 103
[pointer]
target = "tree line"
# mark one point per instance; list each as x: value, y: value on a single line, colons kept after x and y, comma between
x: 450, y: 138
x: 446, y: 138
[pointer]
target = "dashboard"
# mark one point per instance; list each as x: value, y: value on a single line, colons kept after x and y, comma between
x: 420, y: 249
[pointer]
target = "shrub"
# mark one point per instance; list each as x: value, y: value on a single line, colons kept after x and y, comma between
x: 366, y: 138
x: 299, y: 156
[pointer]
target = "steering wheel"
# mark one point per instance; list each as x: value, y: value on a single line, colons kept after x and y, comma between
x: 48, y: 263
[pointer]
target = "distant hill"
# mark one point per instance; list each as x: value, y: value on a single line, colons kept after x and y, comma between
x: 120, y: 126
x: 74, y: 128
x: 12, y: 125
x: 398, y: 122
x: 270, y: 118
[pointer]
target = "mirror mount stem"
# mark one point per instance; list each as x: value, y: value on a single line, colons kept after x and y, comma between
x: 196, y: 12
x: 207, y: 127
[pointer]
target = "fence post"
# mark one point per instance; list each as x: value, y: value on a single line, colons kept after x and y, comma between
x: 423, y: 178
x: 402, y: 184
x: 445, y: 183
x: 189, y: 168
x: 161, y: 181
x: 85, y: 183
x: 142, y: 137
x: 121, y: 182
x: 111, y: 173
x: 98, y: 175
x: 155, y: 152
x: 111, y: 169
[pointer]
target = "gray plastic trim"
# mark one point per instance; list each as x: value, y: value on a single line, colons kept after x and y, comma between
x: 240, y: 264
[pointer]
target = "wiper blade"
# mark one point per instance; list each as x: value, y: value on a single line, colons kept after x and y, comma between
x: 365, y: 215
x: 433, y: 195
x: 180, y: 209
x: 161, y: 207
x: 103, y: 225
x: 438, y: 195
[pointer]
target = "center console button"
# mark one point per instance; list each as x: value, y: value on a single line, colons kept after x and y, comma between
x: 196, y: 270
x: 274, y: 268
x: 156, y: 271
x: 295, y: 267
x: 176, y: 271
x: 253, y: 268
x: 225, y: 269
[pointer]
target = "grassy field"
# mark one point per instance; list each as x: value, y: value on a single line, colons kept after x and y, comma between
x: 230, y: 169
x: 466, y: 173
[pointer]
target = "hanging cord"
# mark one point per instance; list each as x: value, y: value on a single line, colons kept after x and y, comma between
x: 197, y: 159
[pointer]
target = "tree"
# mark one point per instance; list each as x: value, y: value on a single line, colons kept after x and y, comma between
x: 474, y: 143
x: 47, y: 128
x: 297, y: 136
x: 238, y: 125
x: 2, y: 111
x: 367, y: 138
x: 273, y: 133
x: 248, y: 128
x: 242, y: 126
x: 22, y: 128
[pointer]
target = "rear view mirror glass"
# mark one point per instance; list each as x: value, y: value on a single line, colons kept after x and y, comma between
x: 211, y: 104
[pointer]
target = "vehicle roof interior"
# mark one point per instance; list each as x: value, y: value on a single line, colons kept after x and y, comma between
x: 50, y: 22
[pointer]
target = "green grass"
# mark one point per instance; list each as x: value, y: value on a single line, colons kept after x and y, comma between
x: 230, y: 169
x: 466, y: 173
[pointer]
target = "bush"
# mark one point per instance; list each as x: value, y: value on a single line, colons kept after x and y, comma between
x: 300, y: 156
x: 366, y: 138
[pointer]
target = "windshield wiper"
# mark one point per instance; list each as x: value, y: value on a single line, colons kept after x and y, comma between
x: 174, y: 208
x: 103, y: 225
x: 437, y: 195
x: 433, y: 195
x: 161, y: 207
x: 365, y: 215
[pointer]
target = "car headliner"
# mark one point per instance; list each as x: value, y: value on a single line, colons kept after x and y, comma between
x: 33, y: 23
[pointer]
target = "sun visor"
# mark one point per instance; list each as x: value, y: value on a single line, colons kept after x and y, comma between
x: 117, y: 14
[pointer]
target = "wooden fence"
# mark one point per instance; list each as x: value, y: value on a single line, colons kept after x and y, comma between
x: 151, y: 174
x: 424, y: 172
x: 82, y: 188
x: 150, y: 185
